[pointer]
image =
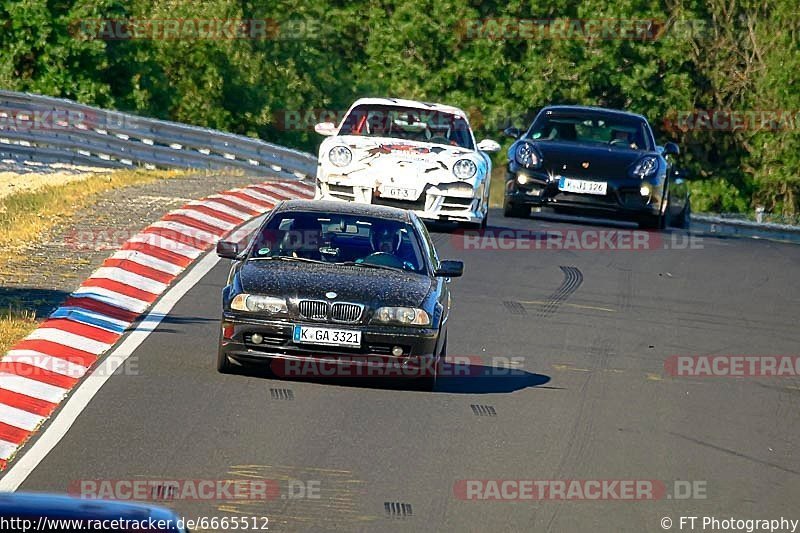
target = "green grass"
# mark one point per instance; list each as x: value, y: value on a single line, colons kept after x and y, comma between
x: 26, y: 216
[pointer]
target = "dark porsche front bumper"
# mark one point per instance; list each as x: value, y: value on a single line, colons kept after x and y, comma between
x: 420, y: 345
x: 623, y: 198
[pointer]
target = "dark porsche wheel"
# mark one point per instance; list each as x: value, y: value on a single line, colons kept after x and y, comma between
x: 651, y: 222
x: 684, y: 220
x: 511, y: 210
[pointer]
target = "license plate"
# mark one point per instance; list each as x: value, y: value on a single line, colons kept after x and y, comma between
x: 399, y: 193
x: 582, y: 186
x: 327, y: 336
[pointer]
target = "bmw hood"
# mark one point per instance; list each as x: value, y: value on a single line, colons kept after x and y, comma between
x: 373, y: 287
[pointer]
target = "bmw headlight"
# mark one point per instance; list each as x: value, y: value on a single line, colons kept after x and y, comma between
x: 464, y: 169
x: 255, y: 303
x: 525, y: 154
x: 340, y: 156
x: 645, y: 167
x: 406, y: 316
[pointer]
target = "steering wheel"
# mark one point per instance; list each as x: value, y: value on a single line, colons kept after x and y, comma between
x: 439, y: 139
x: 613, y: 142
x: 383, y: 258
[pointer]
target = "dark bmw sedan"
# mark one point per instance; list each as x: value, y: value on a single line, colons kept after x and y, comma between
x: 344, y: 283
x: 595, y: 160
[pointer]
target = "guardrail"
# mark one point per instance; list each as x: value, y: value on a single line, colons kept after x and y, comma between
x: 727, y: 226
x: 55, y: 130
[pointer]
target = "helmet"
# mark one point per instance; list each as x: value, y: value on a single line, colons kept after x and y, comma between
x: 385, y: 239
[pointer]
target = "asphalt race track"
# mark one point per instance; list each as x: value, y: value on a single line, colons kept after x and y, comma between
x: 589, y: 399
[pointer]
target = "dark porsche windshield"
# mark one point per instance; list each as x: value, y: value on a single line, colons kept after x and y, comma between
x: 408, y: 123
x: 592, y: 128
x: 340, y: 238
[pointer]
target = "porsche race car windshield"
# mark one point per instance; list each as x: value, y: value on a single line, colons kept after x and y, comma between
x: 340, y: 238
x: 409, y: 123
x: 592, y: 128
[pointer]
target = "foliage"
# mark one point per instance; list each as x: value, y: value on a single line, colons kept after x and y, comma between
x: 730, y: 55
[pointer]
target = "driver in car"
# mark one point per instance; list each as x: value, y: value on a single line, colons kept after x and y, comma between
x: 386, y: 243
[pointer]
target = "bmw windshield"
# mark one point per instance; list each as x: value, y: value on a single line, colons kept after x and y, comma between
x: 341, y: 239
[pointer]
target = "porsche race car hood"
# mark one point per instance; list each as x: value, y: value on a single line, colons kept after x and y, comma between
x: 398, y: 157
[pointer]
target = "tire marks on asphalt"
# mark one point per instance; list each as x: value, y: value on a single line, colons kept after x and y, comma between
x: 573, y: 279
x: 514, y: 307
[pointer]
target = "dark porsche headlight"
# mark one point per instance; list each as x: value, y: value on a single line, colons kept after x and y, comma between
x: 256, y: 303
x: 405, y: 316
x: 646, y: 167
x: 525, y: 154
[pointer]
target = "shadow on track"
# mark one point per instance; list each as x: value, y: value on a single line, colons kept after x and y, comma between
x: 466, y: 379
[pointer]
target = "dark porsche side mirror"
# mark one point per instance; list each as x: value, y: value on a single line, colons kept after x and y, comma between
x: 227, y: 249
x: 671, y: 149
x: 450, y: 269
x: 514, y: 133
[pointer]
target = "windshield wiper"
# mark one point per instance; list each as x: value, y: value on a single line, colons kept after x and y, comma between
x: 371, y: 265
x: 286, y: 258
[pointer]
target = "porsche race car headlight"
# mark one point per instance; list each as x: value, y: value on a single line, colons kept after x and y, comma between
x: 406, y: 316
x: 525, y: 154
x: 464, y: 169
x: 255, y: 303
x: 340, y: 156
x: 645, y: 167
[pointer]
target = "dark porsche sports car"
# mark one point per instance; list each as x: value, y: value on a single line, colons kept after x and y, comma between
x: 597, y: 160
x: 343, y: 283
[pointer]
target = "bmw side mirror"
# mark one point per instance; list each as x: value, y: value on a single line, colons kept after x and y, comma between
x: 671, y: 149
x: 450, y: 269
x: 514, y: 133
x: 227, y: 249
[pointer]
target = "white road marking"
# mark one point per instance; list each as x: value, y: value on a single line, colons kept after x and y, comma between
x: 77, y: 402
x: 31, y: 387
x: 19, y: 418
x: 143, y: 259
x: 47, y: 362
x: 130, y: 278
x: 72, y: 340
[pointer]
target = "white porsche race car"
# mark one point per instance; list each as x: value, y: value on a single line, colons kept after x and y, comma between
x: 407, y: 154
